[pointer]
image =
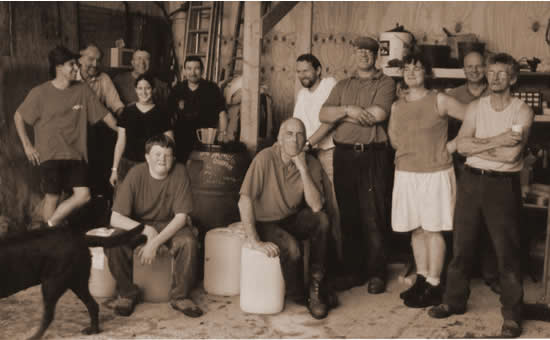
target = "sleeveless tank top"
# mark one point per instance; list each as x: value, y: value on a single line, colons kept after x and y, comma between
x: 490, y: 123
x: 420, y: 134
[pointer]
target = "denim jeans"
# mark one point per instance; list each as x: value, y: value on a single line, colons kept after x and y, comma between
x: 496, y: 200
x: 184, y: 248
x: 285, y: 233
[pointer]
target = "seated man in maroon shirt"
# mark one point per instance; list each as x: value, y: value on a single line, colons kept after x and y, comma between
x: 156, y: 193
x: 281, y: 202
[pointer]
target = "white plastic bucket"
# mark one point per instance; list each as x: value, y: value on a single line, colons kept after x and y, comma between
x: 155, y: 279
x: 262, y: 283
x: 222, y: 260
x: 102, y: 284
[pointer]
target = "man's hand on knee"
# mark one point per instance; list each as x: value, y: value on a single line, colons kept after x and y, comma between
x: 268, y: 248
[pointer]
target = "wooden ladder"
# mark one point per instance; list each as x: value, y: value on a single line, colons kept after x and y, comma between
x: 203, y: 35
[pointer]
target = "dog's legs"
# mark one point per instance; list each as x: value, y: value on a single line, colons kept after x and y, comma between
x: 82, y: 290
x: 51, y: 292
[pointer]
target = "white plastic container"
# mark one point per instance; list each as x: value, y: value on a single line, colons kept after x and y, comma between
x: 262, y: 283
x: 393, y: 45
x: 102, y: 283
x: 155, y: 279
x: 222, y: 260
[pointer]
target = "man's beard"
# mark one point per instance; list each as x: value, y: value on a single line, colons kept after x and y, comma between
x: 307, y: 82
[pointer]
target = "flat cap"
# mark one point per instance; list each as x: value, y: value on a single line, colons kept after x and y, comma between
x: 366, y: 43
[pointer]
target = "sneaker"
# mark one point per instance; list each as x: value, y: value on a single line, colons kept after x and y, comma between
x: 444, y: 311
x: 125, y: 306
x: 510, y: 329
x: 430, y: 296
x: 418, y: 286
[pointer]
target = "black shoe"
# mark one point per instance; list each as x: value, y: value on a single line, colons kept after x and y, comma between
x: 376, y: 286
x: 444, y: 311
x: 418, y: 286
x: 510, y: 329
x: 430, y: 296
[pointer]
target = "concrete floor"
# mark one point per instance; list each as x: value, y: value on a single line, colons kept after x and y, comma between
x: 359, y: 315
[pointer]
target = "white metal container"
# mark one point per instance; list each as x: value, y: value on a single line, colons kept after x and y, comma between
x: 262, y: 283
x: 393, y: 45
x: 222, y: 260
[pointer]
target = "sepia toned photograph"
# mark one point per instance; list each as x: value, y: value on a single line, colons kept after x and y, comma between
x: 274, y: 169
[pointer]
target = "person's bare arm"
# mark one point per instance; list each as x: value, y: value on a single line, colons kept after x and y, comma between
x: 28, y: 147
x: 110, y: 120
x: 312, y: 195
x: 320, y: 133
x: 149, y: 251
x: 448, y: 105
x: 510, y: 154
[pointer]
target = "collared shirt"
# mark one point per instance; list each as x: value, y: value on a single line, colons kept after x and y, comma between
x: 364, y: 92
x: 275, y: 188
x: 103, y: 87
x: 307, y: 108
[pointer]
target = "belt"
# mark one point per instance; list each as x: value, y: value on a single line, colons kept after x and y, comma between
x: 358, y: 147
x: 490, y: 173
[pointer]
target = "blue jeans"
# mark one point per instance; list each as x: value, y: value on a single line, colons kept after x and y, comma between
x: 497, y: 200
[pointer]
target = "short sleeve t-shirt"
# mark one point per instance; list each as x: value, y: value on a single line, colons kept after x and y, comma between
x: 276, y: 189
x: 364, y: 92
x: 60, y: 119
x: 140, y: 126
x: 152, y: 201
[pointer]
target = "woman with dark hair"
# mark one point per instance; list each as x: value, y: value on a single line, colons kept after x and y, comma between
x: 425, y: 186
x: 137, y: 123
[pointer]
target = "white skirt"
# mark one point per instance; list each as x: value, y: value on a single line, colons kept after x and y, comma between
x: 425, y: 200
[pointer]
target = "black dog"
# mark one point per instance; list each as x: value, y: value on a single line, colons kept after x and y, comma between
x: 58, y: 258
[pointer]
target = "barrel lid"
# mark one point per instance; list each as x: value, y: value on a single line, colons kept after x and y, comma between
x: 230, y: 147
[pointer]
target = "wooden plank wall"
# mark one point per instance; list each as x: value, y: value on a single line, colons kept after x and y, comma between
x: 37, y: 28
x: 504, y: 26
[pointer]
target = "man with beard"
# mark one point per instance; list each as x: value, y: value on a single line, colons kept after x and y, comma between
x: 309, y: 101
x: 359, y: 107
x: 196, y: 103
x: 101, y: 140
x: 126, y: 82
x: 281, y: 202
x: 492, y: 137
x: 60, y: 111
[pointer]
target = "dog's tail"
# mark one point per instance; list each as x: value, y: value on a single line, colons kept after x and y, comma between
x: 116, y: 240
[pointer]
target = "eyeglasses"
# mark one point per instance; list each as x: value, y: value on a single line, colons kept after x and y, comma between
x: 499, y: 74
x: 362, y: 51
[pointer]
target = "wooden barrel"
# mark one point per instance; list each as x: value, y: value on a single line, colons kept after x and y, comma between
x: 216, y: 173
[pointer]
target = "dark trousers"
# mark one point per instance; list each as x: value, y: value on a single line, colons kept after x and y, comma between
x: 183, y: 247
x: 304, y: 225
x: 487, y: 265
x: 496, y: 200
x: 362, y: 181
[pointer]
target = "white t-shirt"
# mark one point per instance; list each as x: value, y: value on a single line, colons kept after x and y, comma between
x: 307, y: 108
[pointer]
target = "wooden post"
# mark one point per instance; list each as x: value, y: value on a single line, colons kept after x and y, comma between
x: 251, y: 75
x: 304, y: 29
x: 546, y: 273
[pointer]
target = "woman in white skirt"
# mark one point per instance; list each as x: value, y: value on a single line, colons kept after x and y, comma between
x: 424, y: 187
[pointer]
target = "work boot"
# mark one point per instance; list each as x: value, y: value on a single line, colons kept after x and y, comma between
x: 418, y: 286
x: 315, y: 304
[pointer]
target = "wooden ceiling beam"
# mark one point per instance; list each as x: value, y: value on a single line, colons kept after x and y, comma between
x: 275, y: 14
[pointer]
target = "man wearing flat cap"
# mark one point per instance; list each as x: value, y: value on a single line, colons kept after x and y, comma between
x: 59, y: 111
x: 359, y: 107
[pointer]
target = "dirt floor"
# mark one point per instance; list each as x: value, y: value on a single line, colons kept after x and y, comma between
x: 360, y: 315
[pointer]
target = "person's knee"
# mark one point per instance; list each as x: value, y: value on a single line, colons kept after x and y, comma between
x: 323, y: 221
x: 187, y: 241
x: 82, y: 196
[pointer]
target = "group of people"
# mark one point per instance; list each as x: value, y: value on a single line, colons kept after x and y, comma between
x: 327, y: 179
